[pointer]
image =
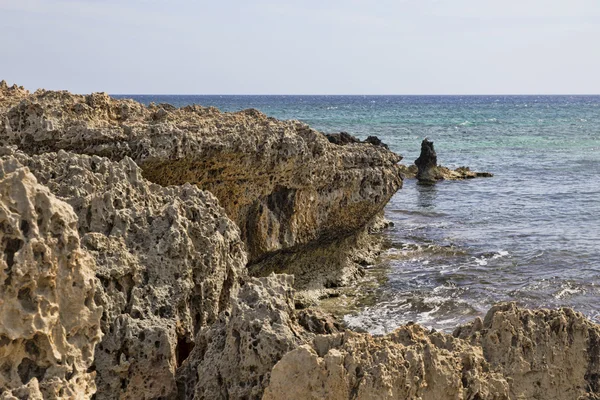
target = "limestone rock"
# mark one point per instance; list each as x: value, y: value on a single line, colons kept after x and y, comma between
x: 168, y: 262
x: 325, y: 265
x: 234, y: 357
x: 513, y: 353
x: 318, y: 322
x: 342, y: 138
x: 409, y: 171
x: 410, y: 363
x: 11, y: 95
x: 444, y: 173
x: 287, y: 188
x: 49, y: 320
x: 548, y: 354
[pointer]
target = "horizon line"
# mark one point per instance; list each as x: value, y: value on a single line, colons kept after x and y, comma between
x: 340, y: 95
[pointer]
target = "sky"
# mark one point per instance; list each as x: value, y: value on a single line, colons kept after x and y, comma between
x: 302, y: 47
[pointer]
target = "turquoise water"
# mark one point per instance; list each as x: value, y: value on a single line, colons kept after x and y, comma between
x: 530, y: 234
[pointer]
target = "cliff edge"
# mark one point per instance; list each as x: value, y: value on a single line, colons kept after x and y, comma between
x: 290, y: 191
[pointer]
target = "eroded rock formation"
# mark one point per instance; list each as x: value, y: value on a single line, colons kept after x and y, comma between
x: 512, y: 354
x: 547, y: 354
x: 426, y: 163
x: 234, y: 357
x: 49, y: 320
x: 109, y: 280
x: 283, y: 183
x: 427, y: 171
x: 168, y: 261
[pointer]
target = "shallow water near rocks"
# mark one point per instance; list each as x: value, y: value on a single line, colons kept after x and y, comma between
x: 530, y: 234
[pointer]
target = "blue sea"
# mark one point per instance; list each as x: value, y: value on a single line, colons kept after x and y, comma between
x: 530, y: 234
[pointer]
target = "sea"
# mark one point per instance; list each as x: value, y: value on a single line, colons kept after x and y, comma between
x: 530, y: 234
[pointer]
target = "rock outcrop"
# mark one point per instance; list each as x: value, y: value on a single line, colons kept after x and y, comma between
x: 168, y: 261
x: 512, y: 354
x: 410, y: 363
x: 546, y: 354
x: 141, y: 290
x: 427, y: 171
x: 344, y: 138
x: 287, y: 188
x: 427, y: 163
x: 263, y: 350
x: 49, y: 320
x: 11, y: 95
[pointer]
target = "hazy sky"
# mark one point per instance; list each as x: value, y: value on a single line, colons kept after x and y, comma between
x: 302, y: 47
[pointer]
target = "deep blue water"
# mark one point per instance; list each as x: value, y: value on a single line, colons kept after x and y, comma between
x: 530, y: 234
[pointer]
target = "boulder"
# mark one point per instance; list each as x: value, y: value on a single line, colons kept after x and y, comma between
x: 233, y: 358
x: 547, y: 354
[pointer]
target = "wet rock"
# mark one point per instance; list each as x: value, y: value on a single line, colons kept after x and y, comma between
x: 408, y: 171
x: 318, y: 322
x: 49, y: 320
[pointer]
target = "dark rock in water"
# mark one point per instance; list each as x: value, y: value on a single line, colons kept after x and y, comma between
x: 341, y: 138
x: 428, y: 172
x: 344, y: 138
x: 375, y: 141
x: 466, y: 173
x: 427, y: 163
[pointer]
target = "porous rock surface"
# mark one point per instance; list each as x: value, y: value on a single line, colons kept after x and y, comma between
x: 283, y: 183
x: 179, y: 317
x: 546, y: 354
x: 168, y: 262
x: 233, y: 358
x: 263, y: 349
x: 410, y: 363
x: 49, y: 320
x: 513, y: 353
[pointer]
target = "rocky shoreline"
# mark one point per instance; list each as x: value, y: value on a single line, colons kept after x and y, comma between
x: 163, y: 253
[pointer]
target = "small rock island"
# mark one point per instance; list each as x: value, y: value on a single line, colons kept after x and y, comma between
x: 427, y: 171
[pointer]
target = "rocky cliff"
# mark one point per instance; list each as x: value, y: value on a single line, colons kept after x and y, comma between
x: 284, y: 184
x: 120, y: 288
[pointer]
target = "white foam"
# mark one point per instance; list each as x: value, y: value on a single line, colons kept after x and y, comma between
x: 481, y: 261
x: 500, y: 254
